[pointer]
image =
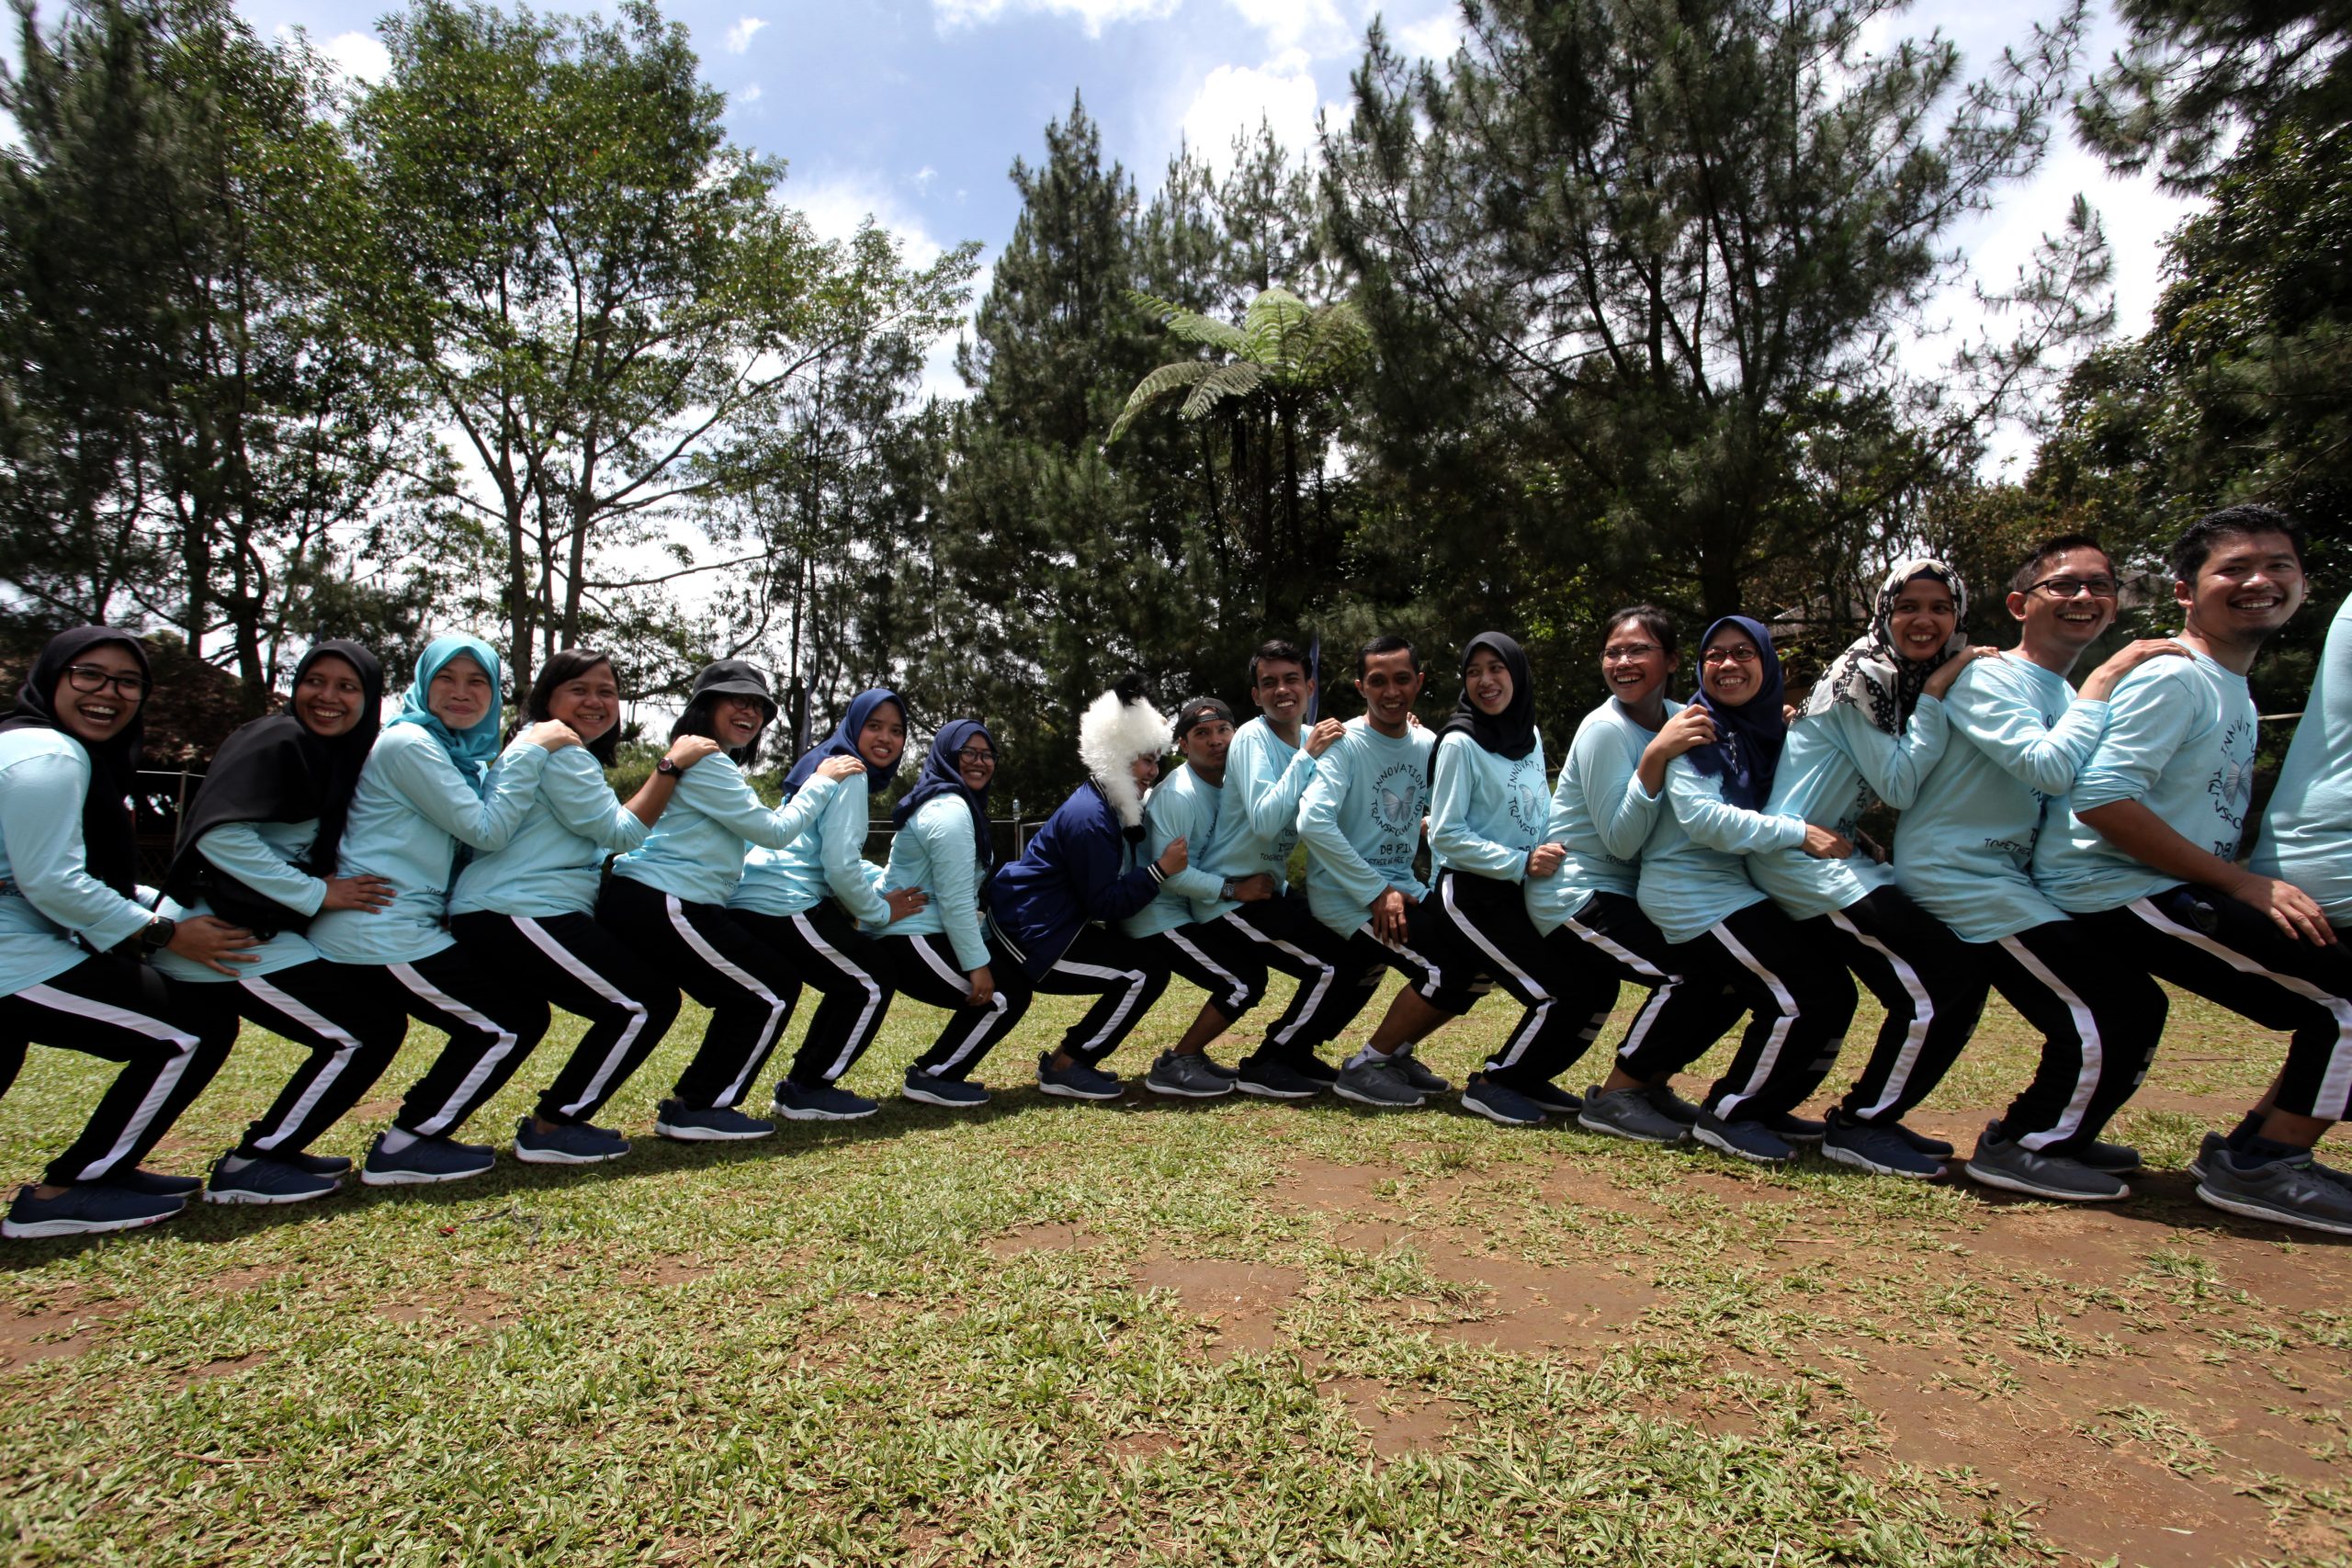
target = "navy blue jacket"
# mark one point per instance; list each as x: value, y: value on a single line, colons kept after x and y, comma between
x: 1080, y: 867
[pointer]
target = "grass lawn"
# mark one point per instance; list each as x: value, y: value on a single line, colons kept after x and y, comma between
x: 1243, y: 1332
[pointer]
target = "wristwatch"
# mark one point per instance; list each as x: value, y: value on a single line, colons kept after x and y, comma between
x: 1225, y: 891
x: 157, y: 935
x: 667, y: 768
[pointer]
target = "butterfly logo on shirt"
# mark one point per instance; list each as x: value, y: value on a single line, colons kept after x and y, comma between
x: 1396, y: 802
x: 2232, y: 786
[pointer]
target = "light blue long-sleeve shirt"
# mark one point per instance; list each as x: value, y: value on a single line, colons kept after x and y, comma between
x: 266, y: 857
x: 2180, y: 740
x: 828, y: 860
x: 936, y: 852
x: 1694, y: 863
x: 408, y: 814
x: 46, y: 894
x: 1265, y: 778
x: 1487, y: 810
x: 2307, y: 826
x: 1964, y: 850
x: 552, y: 864
x: 695, y: 852
x: 1834, y: 763
x: 1599, y: 815
x: 1361, y: 820
x: 1179, y: 807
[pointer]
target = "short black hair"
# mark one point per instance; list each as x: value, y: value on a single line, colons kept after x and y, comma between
x: 2023, y: 580
x: 1651, y: 619
x: 1274, y: 650
x: 697, y: 720
x: 1387, y: 642
x: 570, y: 664
x: 2190, y: 551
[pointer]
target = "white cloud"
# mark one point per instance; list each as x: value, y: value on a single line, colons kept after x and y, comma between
x: 360, y: 56
x: 740, y: 36
x: 921, y: 179
x: 1094, y: 14
x: 1435, y: 36
x: 749, y: 94
x: 836, y: 204
x: 1234, y: 98
x: 1315, y: 25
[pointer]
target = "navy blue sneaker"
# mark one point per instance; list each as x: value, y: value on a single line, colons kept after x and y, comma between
x: 86, y: 1207
x: 567, y: 1142
x: 1270, y: 1078
x: 1499, y: 1103
x: 317, y: 1164
x: 956, y: 1094
x: 154, y: 1183
x: 1751, y: 1141
x: 242, y: 1178
x: 1796, y: 1129
x: 821, y: 1102
x: 1881, y: 1151
x: 1555, y: 1101
x: 1077, y: 1081
x: 1934, y: 1148
x: 686, y: 1123
x: 424, y: 1160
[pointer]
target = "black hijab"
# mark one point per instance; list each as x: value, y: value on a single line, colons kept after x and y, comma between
x: 275, y: 770
x: 110, y: 835
x: 941, y: 775
x: 1510, y: 733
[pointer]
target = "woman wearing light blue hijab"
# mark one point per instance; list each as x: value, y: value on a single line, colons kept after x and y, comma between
x: 429, y: 794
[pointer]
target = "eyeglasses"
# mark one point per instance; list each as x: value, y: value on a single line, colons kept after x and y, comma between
x: 1624, y: 651
x: 2073, y: 587
x: 91, y: 678
x: 1741, y: 654
x: 976, y: 756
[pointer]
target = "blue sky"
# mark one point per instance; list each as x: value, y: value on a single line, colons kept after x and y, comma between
x: 914, y: 110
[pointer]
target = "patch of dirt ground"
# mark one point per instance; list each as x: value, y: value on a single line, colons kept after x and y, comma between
x: 1241, y: 1300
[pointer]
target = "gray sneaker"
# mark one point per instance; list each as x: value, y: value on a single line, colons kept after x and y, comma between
x: 1418, y: 1075
x: 1379, y: 1082
x: 1628, y: 1113
x: 2284, y: 1191
x: 1192, y: 1077
x: 2214, y: 1143
x: 1669, y: 1104
x: 2013, y: 1167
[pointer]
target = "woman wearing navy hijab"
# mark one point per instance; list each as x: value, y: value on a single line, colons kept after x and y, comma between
x: 802, y: 900
x: 74, y: 931
x: 427, y: 794
x: 939, y: 954
x: 1722, y: 930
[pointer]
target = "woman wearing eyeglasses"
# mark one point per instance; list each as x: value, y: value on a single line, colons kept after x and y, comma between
x: 939, y: 954
x: 1873, y: 727
x: 1726, y: 932
x: 258, y: 845
x: 72, y: 929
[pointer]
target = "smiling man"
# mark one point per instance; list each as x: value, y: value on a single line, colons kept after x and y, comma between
x: 2143, y: 853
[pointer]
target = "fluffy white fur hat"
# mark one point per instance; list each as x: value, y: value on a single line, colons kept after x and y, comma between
x: 1117, y: 727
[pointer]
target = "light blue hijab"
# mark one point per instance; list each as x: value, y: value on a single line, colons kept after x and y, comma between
x: 474, y: 748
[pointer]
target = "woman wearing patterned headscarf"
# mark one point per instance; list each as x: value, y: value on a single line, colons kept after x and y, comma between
x: 1723, y: 931
x: 74, y: 926
x: 1873, y: 727
x: 429, y: 794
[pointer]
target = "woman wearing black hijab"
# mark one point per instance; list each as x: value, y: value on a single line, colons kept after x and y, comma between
x: 257, y: 846
x: 72, y: 932
x: 1489, y: 804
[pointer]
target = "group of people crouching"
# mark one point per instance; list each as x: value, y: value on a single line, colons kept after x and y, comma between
x: 334, y: 882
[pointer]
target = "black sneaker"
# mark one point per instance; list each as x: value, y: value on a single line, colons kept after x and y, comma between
x: 680, y: 1122
x: 1555, y: 1101
x: 1314, y: 1068
x: 1271, y: 1080
x: 1751, y: 1141
x: 1796, y: 1129
x: 153, y: 1183
x: 954, y: 1094
x: 424, y: 1160
x: 259, y: 1179
x: 1628, y: 1113
x: 1934, y: 1148
x: 317, y: 1164
x: 567, y: 1142
x: 1881, y: 1151
x: 2013, y: 1167
x: 1669, y: 1104
x: 2284, y: 1191
x: 86, y: 1207
x: 1500, y: 1102
x: 1227, y: 1074
x: 1191, y: 1076
x: 1077, y: 1081
x: 821, y: 1102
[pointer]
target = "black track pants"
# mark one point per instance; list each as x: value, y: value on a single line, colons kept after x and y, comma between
x: 572, y: 963
x: 1933, y: 985
x: 1124, y: 974
x: 2100, y: 1016
x: 1611, y: 941
x: 2229, y: 952
x: 352, y: 1017
x: 835, y: 960
x: 1333, y: 984
x: 170, y: 1035
x: 1561, y: 1009
x: 1799, y: 999
x: 746, y: 984
x: 923, y: 967
x: 491, y: 1024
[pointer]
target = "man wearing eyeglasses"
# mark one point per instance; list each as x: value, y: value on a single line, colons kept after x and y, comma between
x: 1964, y: 852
